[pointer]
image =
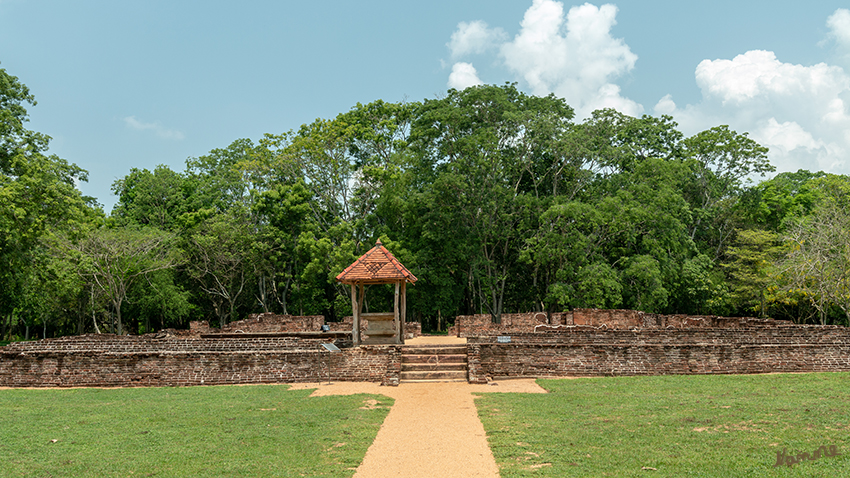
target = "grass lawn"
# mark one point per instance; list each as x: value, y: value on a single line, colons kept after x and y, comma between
x: 251, y: 431
x: 712, y: 426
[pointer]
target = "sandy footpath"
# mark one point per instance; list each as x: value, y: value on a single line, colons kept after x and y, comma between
x: 431, y: 431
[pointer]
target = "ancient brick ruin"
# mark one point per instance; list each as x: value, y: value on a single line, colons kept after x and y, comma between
x: 482, y: 324
x: 267, y: 348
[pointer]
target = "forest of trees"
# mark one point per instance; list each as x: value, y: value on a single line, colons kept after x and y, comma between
x: 496, y: 200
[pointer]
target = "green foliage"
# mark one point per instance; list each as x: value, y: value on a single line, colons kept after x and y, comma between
x: 817, y: 265
x: 115, y: 260
x: 38, y: 197
x: 155, y: 198
x: 496, y: 200
x: 750, y: 269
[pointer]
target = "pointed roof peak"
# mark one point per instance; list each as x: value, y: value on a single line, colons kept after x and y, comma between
x: 377, y: 266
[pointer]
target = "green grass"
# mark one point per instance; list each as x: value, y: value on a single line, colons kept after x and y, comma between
x: 709, y: 426
x: 251, y: 431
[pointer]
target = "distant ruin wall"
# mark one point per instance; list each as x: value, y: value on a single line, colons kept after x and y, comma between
x: 126, y: 361
x: 481, y: 324
x: 276, y: 323
x: 590, y: 351
x: 411, y: 329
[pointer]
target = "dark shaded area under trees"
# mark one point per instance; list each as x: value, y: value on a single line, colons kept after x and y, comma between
x: 498, y: 201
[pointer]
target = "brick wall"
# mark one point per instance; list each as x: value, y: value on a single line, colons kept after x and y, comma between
x: 270, y: 323
x: 555, y: 350
x: 481, y: 324
x: 593, y: 351
x: 109, y: 360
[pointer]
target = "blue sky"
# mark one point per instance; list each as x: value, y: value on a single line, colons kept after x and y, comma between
x: 139, y: 83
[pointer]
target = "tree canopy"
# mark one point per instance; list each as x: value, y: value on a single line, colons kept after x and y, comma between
x: 498, y: 201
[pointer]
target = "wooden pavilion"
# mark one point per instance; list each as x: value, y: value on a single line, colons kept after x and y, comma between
x: 378, y: 266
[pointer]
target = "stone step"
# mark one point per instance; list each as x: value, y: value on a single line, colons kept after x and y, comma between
x: 378, y: 340
x: 405, y: 358
x: 459, y: 375
x: 433, y: 350
x: 437, y: 367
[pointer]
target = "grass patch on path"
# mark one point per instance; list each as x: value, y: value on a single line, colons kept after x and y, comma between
x: 251, y: 431
x: 706, y: 426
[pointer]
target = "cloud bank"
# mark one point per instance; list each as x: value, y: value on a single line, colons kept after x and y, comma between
x: 797, y: 111
x: 800, y: 112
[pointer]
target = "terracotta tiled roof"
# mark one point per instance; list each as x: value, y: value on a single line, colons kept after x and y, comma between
x: 378, y: 266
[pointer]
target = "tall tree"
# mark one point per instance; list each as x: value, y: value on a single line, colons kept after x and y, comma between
x: 116, y: 259
x: 219, y: 258
x: 485, y: 145
x: 37, y: 193
x: 723, y: 163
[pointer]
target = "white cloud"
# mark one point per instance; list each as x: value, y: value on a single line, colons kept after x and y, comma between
x: 156, y: 128
x: 797, y: 111
x: 758, y: 74
x: 463, y: 76
x: 572, y: 55
x: 665, y: 106
x: 474, y: 38
x: 839, y: 27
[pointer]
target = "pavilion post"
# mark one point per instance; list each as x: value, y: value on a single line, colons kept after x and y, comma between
x: 396, y: 317
x: 355, y: 314
x: 403, y: 308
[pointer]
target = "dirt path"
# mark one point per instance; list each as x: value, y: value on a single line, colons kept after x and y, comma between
x: 431, y: 431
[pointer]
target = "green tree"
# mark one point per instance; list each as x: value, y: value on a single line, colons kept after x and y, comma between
x: 114, y: 260
x: 37, y: 194
x: 751, y: 269
x: 722, y: 162
x: 148, y: 198
x: 818, y: 263
x: 484, y: 146
x: 220, y: 260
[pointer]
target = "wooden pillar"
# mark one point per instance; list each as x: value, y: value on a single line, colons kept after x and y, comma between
x: 403, y: 308
x: 361, y: 298
x: 355, y: 313
x: 399, y: 335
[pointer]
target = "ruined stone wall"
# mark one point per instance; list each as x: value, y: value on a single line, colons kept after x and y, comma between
x: 108, y: 360
x: 481, y: 324
x: 587, y: 351
x: 271, y: 323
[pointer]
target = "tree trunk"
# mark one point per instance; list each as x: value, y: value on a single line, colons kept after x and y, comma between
x: 118, y: 318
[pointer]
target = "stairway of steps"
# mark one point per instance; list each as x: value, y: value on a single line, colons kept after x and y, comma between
x: 433, y: 363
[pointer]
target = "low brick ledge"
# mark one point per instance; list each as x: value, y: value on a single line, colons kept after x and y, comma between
x: 254, y: 335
